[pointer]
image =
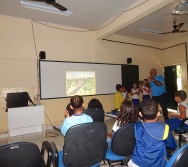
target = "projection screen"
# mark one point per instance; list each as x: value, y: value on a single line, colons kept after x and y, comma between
x: 60, y: 79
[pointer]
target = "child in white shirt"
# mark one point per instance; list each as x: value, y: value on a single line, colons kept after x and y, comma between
x: 135, y: 95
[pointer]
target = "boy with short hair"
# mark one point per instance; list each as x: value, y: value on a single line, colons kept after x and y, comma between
x: 152, y: 138
x: 118, y: 98
x: 182, y: 111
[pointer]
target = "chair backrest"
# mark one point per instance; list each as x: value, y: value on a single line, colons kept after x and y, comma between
x: 21, y: 154
x: 85, y: 144
x: 179, y: 158
x: 97, y: 114
x: 55, y: 159
x: 123, y: 141
x: 48, y: 158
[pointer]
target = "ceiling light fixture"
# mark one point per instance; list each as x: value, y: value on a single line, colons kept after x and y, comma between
x: 151, y: 31
x: 45, y: 8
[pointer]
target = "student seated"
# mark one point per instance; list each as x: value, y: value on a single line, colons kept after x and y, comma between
x: 152, y: 138
x: 182, y: 111
x: 95, y: 110
x: 94, y: 103
x: 77, y: 103
x: 128, y: 114
x: 69, y: 110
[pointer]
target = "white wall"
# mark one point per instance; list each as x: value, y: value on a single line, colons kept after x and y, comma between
x: 174, y: 53
x: 176, y: 56
x: 144, y: 56
x: 22, y: 40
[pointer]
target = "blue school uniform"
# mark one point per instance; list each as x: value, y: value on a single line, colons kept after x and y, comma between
x: 152, y: 138
x: 74, y: 120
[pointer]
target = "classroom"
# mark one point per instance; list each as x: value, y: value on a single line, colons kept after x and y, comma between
x: 22, y: 40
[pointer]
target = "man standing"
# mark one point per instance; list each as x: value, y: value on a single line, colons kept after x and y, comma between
x: 158, y: 90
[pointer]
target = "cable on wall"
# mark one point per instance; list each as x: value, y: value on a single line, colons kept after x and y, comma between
x: 131, y: 44
x: 34, y: 39
x: 49, y: 134
x: 184, y: 43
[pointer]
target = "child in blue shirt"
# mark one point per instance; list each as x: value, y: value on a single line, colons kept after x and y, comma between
x: 152, y: 138
x: 77, y: 104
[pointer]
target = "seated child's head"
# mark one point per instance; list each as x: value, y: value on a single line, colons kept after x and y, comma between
x: 94, y: 103
x: 128, y: 113
x: 149, y: 109
x: 77, y: 102
x: 180, y: 96
x: 70, y: 109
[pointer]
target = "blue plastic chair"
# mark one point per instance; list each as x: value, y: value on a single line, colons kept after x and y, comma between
x: 85, y: 145
x: 181, y: 130
x: 122, y: 145
x: 179, y: 158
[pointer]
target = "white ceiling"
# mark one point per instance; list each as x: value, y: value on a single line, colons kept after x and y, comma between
x: 94, y: 14
x: 162, y: 21
x: 87, y: 14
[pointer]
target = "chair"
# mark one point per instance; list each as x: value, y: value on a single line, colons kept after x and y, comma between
x: 85, y: 145
x: 55, y: 155
x: 97, y: 114
x: 122, y: 144
x: 24, y: 154
x: 179, y: 158
x: 181, y: 130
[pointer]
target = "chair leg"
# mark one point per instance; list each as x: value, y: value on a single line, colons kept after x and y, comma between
x: 109, y: 163
x: 122, y: 163
x: 127, y: 159
x: 104, y: 161
x: 180, y: 139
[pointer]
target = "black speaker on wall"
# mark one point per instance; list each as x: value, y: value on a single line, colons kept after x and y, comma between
x: 42, y: 55
x: 129, y: 60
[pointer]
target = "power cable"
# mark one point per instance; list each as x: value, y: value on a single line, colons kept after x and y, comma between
x: 52, y: 134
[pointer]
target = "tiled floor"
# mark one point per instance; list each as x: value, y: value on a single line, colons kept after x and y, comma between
x: 52, y: 135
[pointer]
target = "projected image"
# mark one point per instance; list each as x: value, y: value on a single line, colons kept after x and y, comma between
x: 80, y: 83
